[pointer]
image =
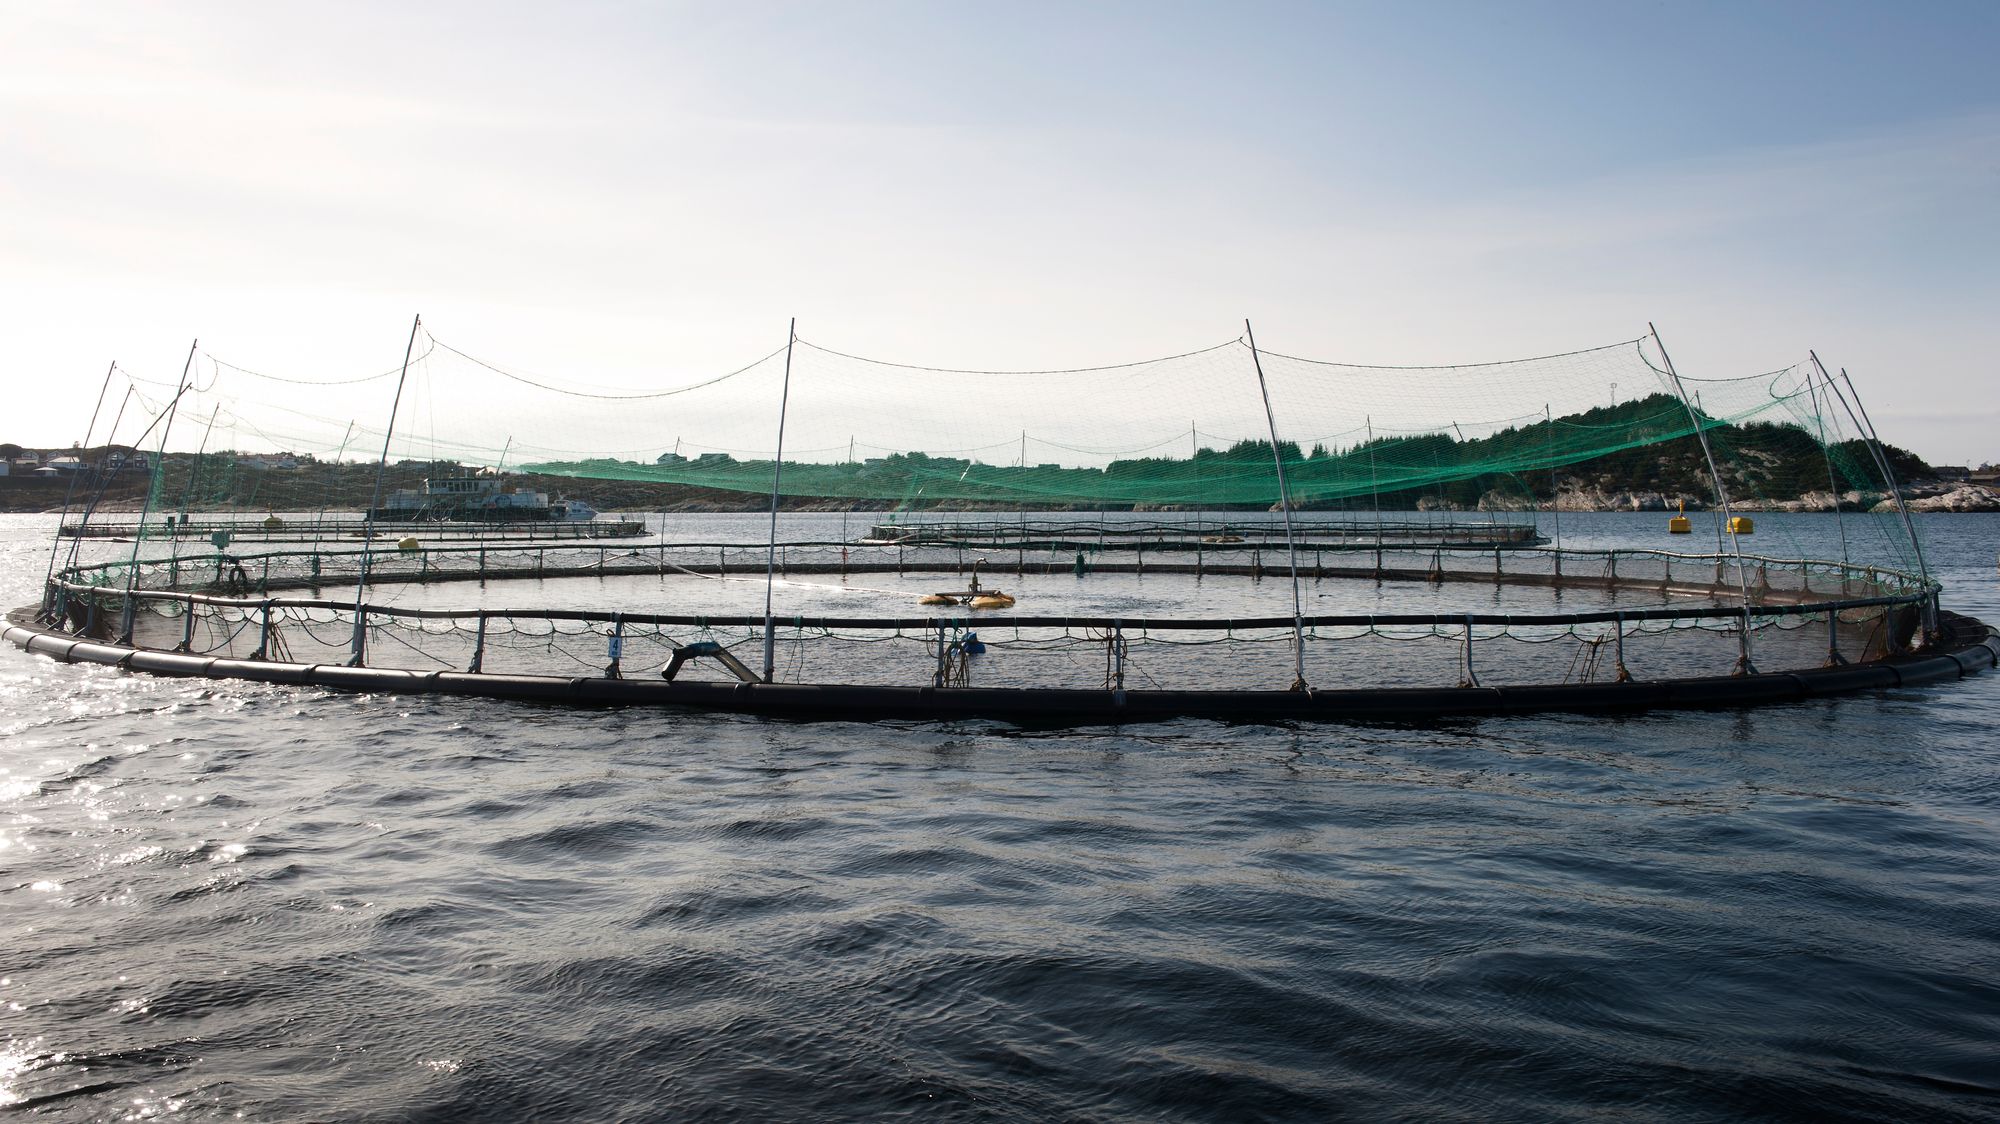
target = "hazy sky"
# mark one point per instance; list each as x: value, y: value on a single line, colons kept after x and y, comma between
x: 642, y: 194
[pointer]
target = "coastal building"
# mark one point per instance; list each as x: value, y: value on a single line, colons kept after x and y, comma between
x: 128, y: 460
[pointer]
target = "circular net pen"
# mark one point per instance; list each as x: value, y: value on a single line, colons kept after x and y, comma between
x: 1229, y: 531
x: 899, y: 629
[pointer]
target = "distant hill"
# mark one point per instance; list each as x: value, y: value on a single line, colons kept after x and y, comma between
x: 1761, y: 462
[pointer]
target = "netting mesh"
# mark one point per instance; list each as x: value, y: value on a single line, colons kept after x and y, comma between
x: 1600, y: 426
x: 1201, y: 599
x: 1180, y: 432
x: 1076, y: 658
x: 1455, y: 616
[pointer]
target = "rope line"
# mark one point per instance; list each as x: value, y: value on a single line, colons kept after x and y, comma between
x: 604, y: 397
x: 1053, y: 371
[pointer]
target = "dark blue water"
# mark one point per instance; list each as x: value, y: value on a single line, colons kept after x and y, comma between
x: 221, y: 900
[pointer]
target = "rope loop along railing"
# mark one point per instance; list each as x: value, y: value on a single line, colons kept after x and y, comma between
x: 1379, y: 662
x: 226, y: 603
x: 77, y: 593
x: 290, y: 568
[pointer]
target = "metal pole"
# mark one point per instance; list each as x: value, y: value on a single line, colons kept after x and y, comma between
x: 55, y: 542
x: 263, y: 651
x: 368, y: 521
x: 1555, y: 504
x: 1744, y: 666
x: 1470, y: 677
x: 1375, y: 493
x: 1118, y: 655
x: 1618, y: 652
x: 478, y: 648
x: 1285, y: 505
x: 777, y: 473
x: 1194, y: 470
x: 1826, y: 452
x: 1888, y: 473
x: 187, y: 625
x: 1896, y: 493
x: 159, y: 468
x: 194, y: 472
x: 104, y: 478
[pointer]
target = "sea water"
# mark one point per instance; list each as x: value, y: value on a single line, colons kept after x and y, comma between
x: 221, y: 900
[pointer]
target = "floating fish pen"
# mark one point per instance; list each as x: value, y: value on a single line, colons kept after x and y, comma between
x: 1213, y: 591
x: 1654, y: 629
x: 271, y: 528
x: 1199, y: 533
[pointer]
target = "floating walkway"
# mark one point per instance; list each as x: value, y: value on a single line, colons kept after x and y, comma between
x: 1666, y: 631
x: 1966, y: 648
x: 1195, y: 534
x: 278, y: 529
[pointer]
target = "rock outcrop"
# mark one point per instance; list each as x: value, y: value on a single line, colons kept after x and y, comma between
x: 1927, y: 496
x: 1956, y: 497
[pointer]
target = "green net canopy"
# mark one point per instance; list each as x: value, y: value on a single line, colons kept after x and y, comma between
x: 1189, y: 430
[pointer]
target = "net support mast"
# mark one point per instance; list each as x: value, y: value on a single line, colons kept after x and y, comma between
x: 69, y: 494
x: 104, y: 478
x: 1374, y: 490
x: 194, y: 473
x: 1284, y: 505
x: 1744, y: 666
x: 777, y: 472
x: 1826, y: 450
x: 146, y: 509
x: 1555, y: 495
x: 1874, y: 443
x: 360, y: 646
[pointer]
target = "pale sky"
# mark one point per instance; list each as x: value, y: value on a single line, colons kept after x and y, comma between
x: 641, y: 195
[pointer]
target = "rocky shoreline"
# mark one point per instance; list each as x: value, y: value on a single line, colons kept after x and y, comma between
x: 1930, y: 496
x: 1927, y: 495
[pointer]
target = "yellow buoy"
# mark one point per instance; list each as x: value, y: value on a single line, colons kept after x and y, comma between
x: 272, y: 522
x: 410, y: 543
x: 1741, y: 525
x: 1679, y: 524
x: 992, y: 601
x: 937, y: 599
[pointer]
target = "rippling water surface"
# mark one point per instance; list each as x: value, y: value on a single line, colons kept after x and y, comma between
x: 224, y: 899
